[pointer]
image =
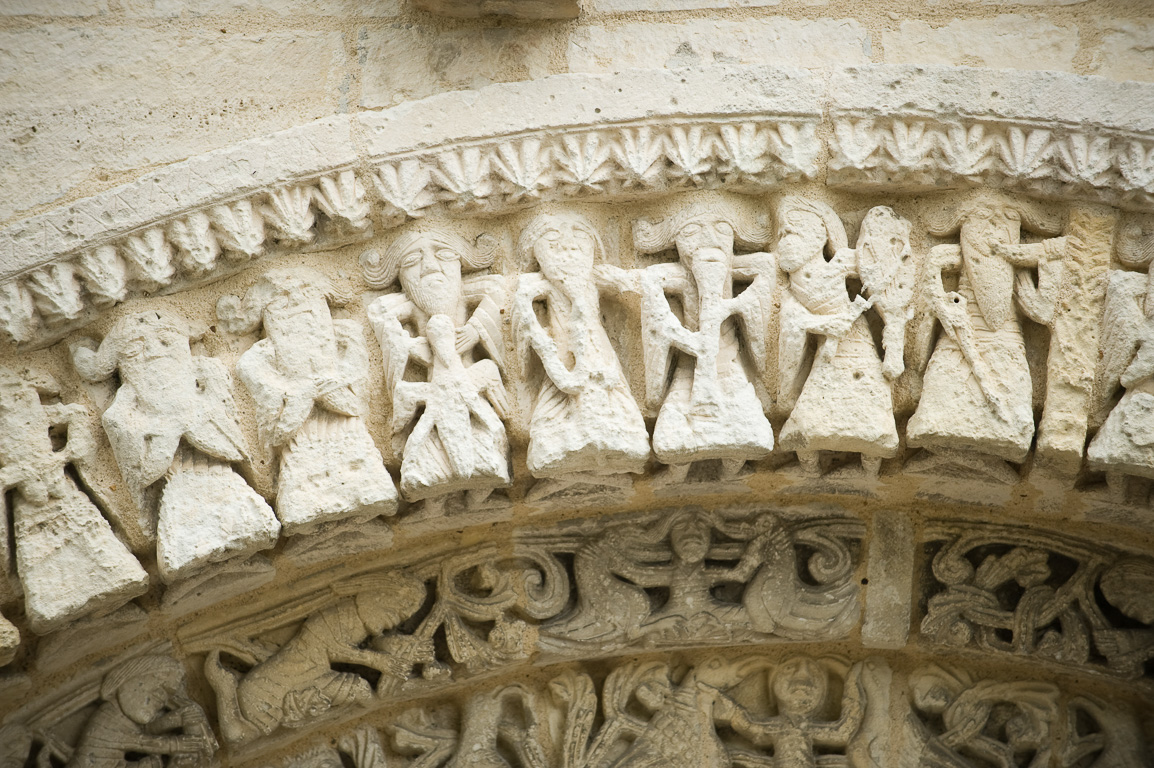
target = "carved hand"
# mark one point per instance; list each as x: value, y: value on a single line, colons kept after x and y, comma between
x: 467, y: 338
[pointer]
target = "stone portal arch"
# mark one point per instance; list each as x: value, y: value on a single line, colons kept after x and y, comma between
x: 754, y: 417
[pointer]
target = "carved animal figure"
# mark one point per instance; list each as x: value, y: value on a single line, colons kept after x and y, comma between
x: 585, y: 423
x: 298, y: 683
x: 681, y: 733
x: 67, y: 557
x: 306, y: 378
x: 711, y: 407
x: 448, y: 427
x: 173, y: 419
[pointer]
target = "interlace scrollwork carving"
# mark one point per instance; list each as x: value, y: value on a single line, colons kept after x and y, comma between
x: 961, y: 719
x: 1027, y: 594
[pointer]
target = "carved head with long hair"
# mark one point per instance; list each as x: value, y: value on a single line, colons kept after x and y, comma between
x: 428, y: 261
x: 277, y: 289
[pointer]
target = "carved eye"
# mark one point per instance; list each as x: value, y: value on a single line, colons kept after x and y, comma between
x: 133, y: 348
x: 691, y: 229
x: 446, y: 255
x: 410, y: 259
x: 723, y: 227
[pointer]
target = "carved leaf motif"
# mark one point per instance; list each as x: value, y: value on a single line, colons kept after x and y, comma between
x: 149, y: 256
x: 641, y: 152
x: 525, y: 165
x: 239, y: 228
x: 404, y: 186
x: 745, y: 150
x: 342, y: 198
x: 193, y: 235
x: 689, y: 150
x: 796, y: 146
x: 289, y: 210
x: 104, y: 275
x: 464, y: 175
x: 1136, y: 162
x: 56, y: 293
x: 1087, y: 158
x: 585, y: 161
x: 857, y: 142
x: 968, y: 151
x: 910, y: 144
x: 17, y: 312
x: 1024, y: 151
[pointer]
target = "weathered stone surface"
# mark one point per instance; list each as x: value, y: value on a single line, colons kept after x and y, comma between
x: 704, y: 43
x: 1127, y: 51
x: 63, y: 86
x: 515, y: 9
x: 623, y: 6
x: 404, y: 62
x: 240, y: 9
x: 1012, y: 42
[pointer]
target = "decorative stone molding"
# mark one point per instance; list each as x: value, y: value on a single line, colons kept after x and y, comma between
x: 571, y: 137
x: 431, y: 471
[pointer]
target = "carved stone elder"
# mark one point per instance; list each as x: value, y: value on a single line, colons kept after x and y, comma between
x: 447, y: 426
x: 172, y: 420
x: 307, y: 379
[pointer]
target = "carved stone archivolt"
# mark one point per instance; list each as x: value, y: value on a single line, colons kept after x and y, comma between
x: 766, y: 429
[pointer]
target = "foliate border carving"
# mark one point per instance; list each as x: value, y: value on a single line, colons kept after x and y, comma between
x: 1044, y: 158
x: 744, y: 130
x: 1001, y: 589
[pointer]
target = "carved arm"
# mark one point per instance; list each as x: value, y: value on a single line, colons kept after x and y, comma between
x: 528, y: 292
x: 838, y: 733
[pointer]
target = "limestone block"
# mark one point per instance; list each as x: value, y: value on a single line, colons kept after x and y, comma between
x: 585, y: 424
x: 708, y: 42
x: 9, y: 640
x: 1127, y: 50
x: 1008, y: 41
x: 54, y: 8
x: 710, y: 408
x: 291, y: 9
x: 150, y: 96
x: 516, y: 9
x: 888, y: 602
x: 626, y: 6
x: 403, y: 62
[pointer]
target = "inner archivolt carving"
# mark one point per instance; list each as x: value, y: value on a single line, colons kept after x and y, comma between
x: 548, y: 363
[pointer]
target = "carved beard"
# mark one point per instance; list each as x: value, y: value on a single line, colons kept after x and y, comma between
x: 441, y: 298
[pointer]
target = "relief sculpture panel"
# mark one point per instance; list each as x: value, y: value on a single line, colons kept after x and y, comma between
x: 173, y: 430
x: 307, y: 378
x: 447, y: 422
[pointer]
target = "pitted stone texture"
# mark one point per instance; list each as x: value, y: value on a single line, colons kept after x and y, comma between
x: 1010, y: 42
x: 623, y: 6
x: 700, y: 43
x: 1127, y: 51
x: 291, y: 9
x: 151, y: 97
x: 404, y: 62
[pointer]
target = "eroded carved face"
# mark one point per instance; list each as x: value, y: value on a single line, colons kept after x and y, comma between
x: 800, y: 686
x: 801, y: 235
x: 143, y: 698
x: 565, y: 250
x: 431, y: 276
x: 988, y: 224
x: 706, y: 240
x: 689, y: 538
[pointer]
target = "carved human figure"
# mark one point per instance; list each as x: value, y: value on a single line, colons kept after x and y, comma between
x: 586, y: 426
x: 307, y: 378
x: 173, y: 420
x: 712, y: 407
x: 297, y: 682
x: 800, y: 731
x: 145, y: 720
x: 845, y: 402
x: 448, y: 426
x: 1124, y: 444
x: 68, y: 559
x: 977, y: 396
